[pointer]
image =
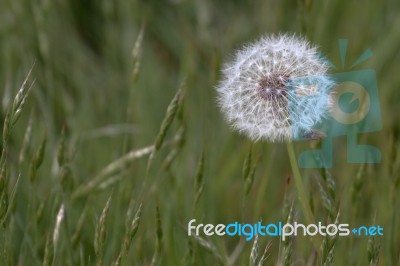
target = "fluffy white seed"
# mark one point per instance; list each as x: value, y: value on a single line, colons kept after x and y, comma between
x: 275, y: 89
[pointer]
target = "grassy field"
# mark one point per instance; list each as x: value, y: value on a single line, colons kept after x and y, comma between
x: 115, y: 141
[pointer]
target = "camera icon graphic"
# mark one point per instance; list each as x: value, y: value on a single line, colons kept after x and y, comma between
x: 355, y: 110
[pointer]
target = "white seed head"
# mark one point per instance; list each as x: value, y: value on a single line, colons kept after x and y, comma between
x: 275, y: 88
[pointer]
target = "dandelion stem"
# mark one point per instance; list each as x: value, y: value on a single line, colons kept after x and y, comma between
x: 300, y: 188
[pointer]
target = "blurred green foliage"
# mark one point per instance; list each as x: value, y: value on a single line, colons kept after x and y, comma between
x: 85, y: 86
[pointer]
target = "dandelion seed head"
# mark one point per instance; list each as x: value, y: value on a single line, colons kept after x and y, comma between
x: 275, y: 88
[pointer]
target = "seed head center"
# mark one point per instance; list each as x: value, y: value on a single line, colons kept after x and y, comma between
x: 273, y: 87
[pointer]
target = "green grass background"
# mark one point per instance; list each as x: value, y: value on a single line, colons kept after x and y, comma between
x: 85, y: 83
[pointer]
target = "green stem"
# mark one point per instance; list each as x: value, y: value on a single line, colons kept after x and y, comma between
x: 303, y: 199
x: 299, y: 184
